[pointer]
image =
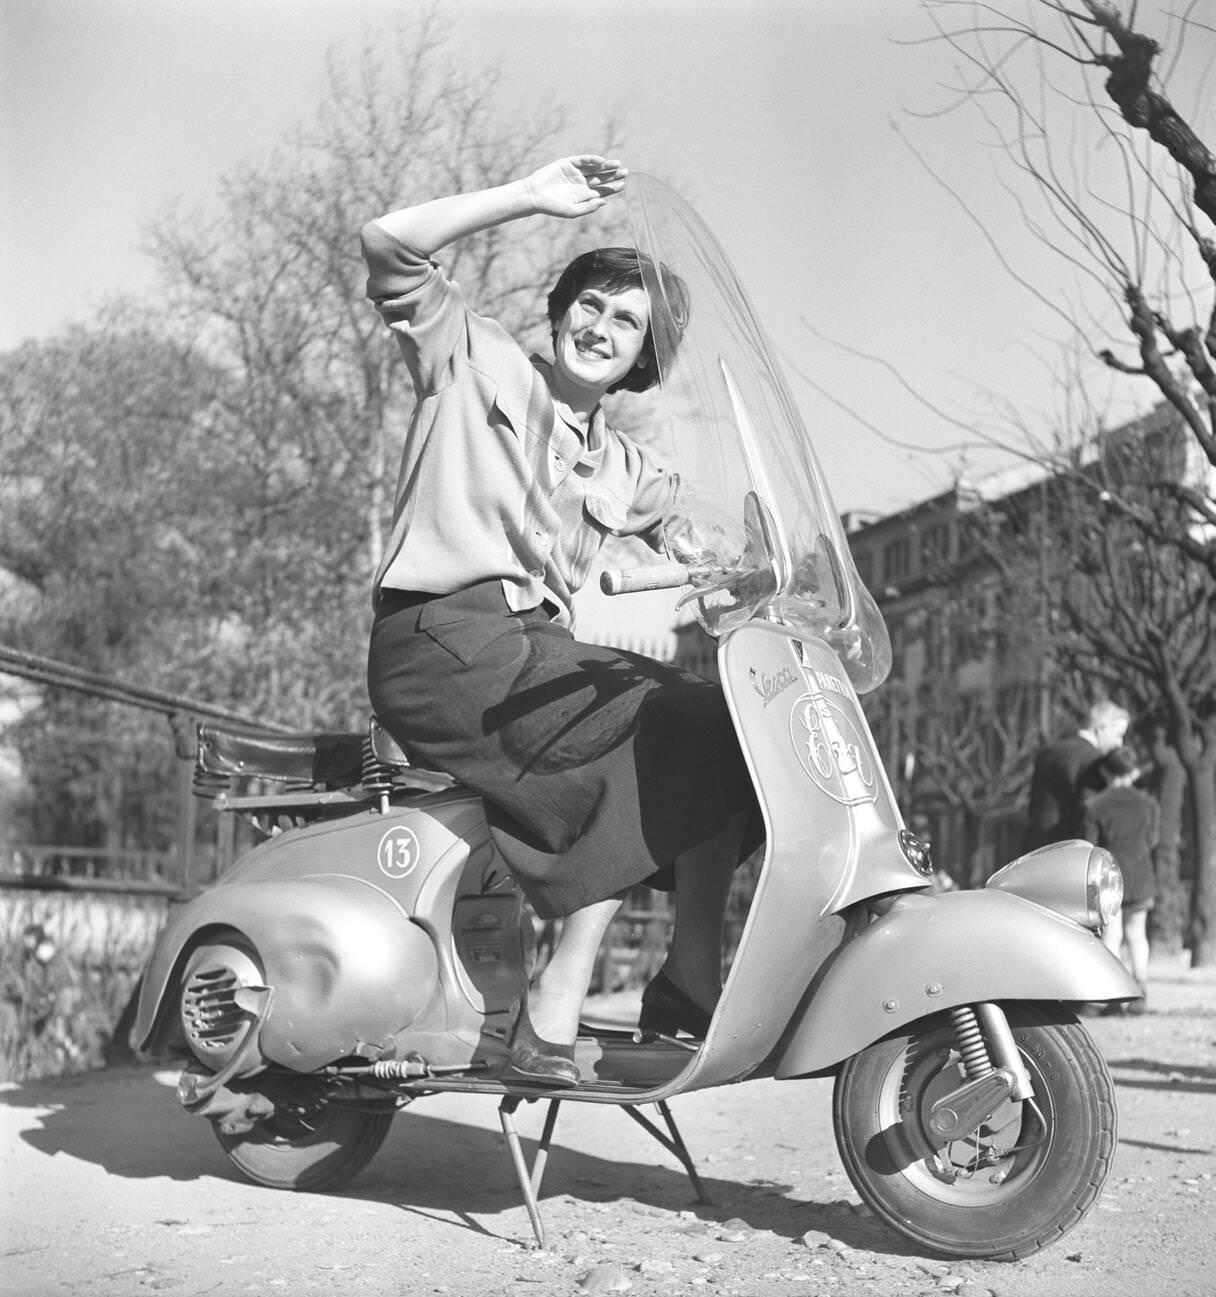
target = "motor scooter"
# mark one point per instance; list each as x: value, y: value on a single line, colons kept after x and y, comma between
x: 373, y: 949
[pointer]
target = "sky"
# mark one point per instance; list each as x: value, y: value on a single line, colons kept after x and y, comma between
x: 797, y: 128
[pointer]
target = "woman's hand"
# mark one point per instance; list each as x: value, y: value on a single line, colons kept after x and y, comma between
x: 575, y: 186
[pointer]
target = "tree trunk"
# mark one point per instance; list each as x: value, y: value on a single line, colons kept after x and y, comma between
x: 1203, y: 894
x: 1170, y: 916
x: 977, y: 856
x: 1194, y: 735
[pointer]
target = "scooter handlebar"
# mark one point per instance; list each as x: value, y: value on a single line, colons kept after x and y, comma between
x: 654, y: 576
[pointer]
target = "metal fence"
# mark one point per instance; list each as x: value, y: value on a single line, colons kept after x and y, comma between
x: 37, y: 866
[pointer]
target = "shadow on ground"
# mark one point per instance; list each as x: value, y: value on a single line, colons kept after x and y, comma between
x: 129, y: 1123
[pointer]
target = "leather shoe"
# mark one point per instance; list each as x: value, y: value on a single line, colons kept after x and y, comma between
x: 666, y: 1010
x: 537, y: 1061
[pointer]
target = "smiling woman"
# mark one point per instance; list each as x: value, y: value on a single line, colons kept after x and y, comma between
x: 600, y: 769
x: 597, y: 343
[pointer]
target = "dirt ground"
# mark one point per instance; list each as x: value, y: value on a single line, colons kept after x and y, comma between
x: 107, y: 1188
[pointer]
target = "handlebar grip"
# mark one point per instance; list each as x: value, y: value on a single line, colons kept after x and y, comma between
x: 654, y: 576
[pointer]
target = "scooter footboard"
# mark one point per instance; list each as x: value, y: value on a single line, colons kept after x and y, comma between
x: 929, y: 953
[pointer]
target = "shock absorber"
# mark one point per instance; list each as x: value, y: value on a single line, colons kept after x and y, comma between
x: 976, y: 1061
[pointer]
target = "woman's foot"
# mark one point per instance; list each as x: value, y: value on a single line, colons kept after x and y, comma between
x: 537, y: 1061
x: 667, y: 1010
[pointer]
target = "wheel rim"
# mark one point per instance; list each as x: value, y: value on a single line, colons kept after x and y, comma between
x: 292, y: 1130
x: 309, y: 1124
x: 1005, y: 1153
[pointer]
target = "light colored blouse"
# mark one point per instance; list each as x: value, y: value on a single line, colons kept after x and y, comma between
x: 494, y: 482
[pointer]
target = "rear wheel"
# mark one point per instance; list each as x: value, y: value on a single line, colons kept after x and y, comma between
x: 311, y: 1143
x: 1021, y: 1181
x: 313, y: 1139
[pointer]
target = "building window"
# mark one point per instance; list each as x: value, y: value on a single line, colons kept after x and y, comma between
x: 932, y: 639
x: 896, y: 559
x: 934, y: 545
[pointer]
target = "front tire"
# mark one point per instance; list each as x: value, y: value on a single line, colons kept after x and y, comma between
x: 1025, y: 1178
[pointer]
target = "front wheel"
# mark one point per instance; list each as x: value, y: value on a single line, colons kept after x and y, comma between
x: 1021, y: 1181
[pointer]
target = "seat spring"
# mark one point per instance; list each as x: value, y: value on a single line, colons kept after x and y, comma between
x: 209, y: 785
x: 374, y: 775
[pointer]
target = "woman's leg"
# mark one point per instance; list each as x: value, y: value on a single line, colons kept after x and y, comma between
x: 555, y: 999
x: 1112, y: 936
x: 1135, y: 934
x: 703, y: 881
x: 694, y: 960
x: 703, y: 877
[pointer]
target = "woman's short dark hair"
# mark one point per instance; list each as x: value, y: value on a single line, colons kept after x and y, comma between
x: 615, y: 270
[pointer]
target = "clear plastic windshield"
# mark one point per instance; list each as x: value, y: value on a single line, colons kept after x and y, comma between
x: 755, y: 525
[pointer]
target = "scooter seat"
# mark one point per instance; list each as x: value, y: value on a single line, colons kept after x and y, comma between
x: 329, y: 760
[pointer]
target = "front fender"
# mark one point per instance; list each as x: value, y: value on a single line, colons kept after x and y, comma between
x: 933, y: 952
x: 346, y: 964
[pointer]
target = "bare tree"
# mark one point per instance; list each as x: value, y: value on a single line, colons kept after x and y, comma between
x: 272, y: 285
x: 960, y: 722
x: 1136, y: 613
x: 1110, y: 175
x: 1127, y: 616
x: 195, y: 495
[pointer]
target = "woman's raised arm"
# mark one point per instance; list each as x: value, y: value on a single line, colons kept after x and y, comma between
x: 569, y: 187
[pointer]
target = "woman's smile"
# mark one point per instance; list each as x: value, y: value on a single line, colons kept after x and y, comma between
x: 601, y: 337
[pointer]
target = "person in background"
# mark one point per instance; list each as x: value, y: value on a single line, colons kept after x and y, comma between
x: 1126, y: 821
x: 599, y: 769
x: 1066, y: 774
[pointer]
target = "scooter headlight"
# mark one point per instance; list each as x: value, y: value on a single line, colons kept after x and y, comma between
x: 1103, y: 888
x: 1076, y: 879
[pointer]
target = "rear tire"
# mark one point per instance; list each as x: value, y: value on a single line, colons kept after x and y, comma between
x: 312, y: 1142
x: 1027, y: 1176
x: 314, y: 1150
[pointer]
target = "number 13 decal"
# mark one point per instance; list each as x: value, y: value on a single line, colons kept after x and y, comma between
x: 398, y: 852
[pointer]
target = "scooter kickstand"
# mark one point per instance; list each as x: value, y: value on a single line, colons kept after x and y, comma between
x: 673, y: 1141
x: 529, y: 1181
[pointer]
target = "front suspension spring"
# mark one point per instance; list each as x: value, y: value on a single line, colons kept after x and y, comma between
x: 976, y: 1062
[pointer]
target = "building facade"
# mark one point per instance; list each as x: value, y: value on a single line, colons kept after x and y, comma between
x: 968, y: 582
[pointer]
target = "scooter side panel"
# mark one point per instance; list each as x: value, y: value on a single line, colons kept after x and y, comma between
x: 347, y: 967
x: 831, y: 827
x: 930, y: 953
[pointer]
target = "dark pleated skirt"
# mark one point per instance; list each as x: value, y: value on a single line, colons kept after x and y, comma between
x: 598, y: 767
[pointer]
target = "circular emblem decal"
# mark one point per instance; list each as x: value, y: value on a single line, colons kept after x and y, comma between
x: 398, y: 852
x: 831, y: 749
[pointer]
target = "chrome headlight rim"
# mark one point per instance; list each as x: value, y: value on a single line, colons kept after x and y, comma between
x: 1075, y: 879
x: 1103, y: 888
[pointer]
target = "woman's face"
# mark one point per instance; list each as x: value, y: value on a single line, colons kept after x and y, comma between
x: 600, y: 337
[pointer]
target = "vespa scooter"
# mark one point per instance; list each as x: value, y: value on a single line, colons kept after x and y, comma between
x: 373, y: 948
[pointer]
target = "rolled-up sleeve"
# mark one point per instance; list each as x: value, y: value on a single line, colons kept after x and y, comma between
x: 636, y: 502
x: 419, y: 303
x: 655, y: 488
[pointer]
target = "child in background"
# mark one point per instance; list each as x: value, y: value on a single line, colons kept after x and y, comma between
x: 1126, y: 821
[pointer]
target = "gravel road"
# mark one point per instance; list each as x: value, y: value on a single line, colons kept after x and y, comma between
x: 107, y: 1188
